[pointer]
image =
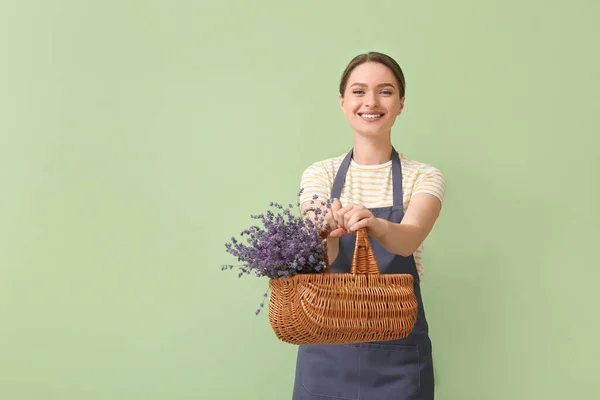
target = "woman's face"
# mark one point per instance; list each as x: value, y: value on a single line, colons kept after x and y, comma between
x: 372, y: 100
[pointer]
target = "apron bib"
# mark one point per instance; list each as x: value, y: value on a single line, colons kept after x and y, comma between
x: 391, y: 370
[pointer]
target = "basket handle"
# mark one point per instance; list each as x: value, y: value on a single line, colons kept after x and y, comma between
x: 364, y: 261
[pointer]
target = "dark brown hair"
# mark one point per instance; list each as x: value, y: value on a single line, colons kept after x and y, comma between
x: 380, y: 58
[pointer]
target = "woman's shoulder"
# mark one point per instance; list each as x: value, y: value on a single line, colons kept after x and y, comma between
x: 326, y: 166
x: 318, y: 178
x: 423, y: 177
x: 415, y: 167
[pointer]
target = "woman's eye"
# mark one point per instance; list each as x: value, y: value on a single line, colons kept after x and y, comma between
x: 386, y: 92
x: 358, y: 92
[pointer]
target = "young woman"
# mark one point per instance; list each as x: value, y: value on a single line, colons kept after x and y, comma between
x: 398, y: 201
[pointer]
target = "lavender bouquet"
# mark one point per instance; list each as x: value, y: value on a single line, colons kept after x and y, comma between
x: 284, y: 246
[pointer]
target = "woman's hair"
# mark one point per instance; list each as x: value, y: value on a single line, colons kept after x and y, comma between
x: 380, y: 58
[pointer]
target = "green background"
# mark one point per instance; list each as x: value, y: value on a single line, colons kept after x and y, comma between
x: 136, y: 137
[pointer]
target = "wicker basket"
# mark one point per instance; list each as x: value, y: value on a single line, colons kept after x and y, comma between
x: 360, y: 306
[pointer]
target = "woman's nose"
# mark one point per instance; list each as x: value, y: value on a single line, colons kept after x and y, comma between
x: 370, y: 100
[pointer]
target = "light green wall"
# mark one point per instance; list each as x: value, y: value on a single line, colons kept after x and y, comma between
x: 136, y: 137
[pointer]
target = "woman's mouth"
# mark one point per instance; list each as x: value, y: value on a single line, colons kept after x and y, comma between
x: 370, y: 117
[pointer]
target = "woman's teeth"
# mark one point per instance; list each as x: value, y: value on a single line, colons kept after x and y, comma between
x: 371, y: 116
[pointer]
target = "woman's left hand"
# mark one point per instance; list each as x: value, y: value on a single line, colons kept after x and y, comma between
x: 352, y: 217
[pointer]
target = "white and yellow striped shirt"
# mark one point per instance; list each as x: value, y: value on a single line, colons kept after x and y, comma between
x: 371, y: 185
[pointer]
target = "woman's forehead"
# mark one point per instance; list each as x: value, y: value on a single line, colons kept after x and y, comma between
x: 372, y: 74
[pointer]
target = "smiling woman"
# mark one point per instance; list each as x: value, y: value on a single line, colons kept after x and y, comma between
x: 372, y: 90
x: 398, y: 201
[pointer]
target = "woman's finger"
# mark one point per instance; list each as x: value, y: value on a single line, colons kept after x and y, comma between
x: 332, y: 225
x: 326, y: 216
x: 357, y: 216
x: 363, y: 223
x: 356, y: 213
x: 339, y: 232
x: 342, y: 215
x: 336, y: 206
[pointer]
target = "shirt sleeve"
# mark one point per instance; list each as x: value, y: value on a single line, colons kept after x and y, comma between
x: 315, y: 183
x: 432, y: 181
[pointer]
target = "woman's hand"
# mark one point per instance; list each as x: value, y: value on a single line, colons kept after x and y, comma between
x: 330, y: 225
x: 401, y: 238
x: 348, y: 219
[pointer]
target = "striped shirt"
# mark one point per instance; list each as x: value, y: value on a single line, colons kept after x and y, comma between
x: 371, y: 185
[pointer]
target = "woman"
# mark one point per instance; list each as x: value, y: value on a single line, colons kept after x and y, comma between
x: 398, y: 201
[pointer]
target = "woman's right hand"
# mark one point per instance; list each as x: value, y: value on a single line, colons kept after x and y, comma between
x: 326, y: 218
x: 332, y: 221
x: 329, y: 224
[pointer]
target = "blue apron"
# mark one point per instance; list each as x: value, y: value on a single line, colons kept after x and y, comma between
x: 392, y: 370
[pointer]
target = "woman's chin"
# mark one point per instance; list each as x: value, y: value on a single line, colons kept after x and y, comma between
x: 372, y: 133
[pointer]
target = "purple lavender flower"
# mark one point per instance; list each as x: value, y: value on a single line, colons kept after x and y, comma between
x: 284, y: 246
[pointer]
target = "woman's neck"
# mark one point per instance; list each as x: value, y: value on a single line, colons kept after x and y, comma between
x: 372, y: 151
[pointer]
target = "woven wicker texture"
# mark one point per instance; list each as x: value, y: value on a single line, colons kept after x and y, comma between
x: 360, y: 306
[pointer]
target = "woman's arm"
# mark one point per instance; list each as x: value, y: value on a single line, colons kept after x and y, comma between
x: 399, y: 238
x: 404, y: 238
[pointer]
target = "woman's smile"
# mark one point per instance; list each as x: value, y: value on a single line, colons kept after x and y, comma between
x: 370, y: 116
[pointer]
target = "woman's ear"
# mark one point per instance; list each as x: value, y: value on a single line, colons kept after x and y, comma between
x: 401, y: 105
